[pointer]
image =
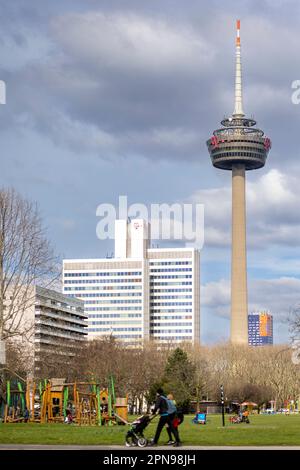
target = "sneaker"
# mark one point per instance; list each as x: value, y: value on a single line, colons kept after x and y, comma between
x: 169, y: 443
x: 177, y: 444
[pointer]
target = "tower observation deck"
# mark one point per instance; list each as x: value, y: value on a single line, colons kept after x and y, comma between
x: 238, y: 143
x: 238, y: 146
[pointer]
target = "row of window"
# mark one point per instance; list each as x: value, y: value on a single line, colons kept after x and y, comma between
x: 172, y: 304
x: 45, y: 330
x: 169, y: 263
x: 244, y: 147
x: 173, y: 283
x: 139, y: 315
x: 105, y: 273
x: 171, y: 310
x: 114, y: 294
x: 57, y: 322
x: 259, y: 343
x: 129, y: 301
x: 114, y: 330
x: 170, y: 270
x: 179, y: 297
x: 81, y: 288
x: 107, y: 330
x: 173, y: 338
x: 59, y: 315
x: 105, y: 309
x: 170, y: 331
x: 172, y: 324
x: 55, y: 303
x: 176, y: 276
x: 103, y: 322
x: 165, y: 291
x: 170, y: 317
x: 232, y: 138
x: 100, y: 281
x: 238, y: 154
x: 115, y: 315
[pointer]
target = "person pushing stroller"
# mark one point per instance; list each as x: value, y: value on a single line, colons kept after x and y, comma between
x: 166, y: 418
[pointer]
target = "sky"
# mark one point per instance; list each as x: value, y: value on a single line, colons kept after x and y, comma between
x: 115, y: 97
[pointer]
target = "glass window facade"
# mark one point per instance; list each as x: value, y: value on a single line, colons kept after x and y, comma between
x: 156, y: 298
x: 260, y: 329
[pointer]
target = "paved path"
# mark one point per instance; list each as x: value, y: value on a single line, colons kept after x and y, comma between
x: 115, y: 447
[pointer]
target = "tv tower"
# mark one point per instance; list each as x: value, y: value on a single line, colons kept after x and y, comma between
x: 238, y: 146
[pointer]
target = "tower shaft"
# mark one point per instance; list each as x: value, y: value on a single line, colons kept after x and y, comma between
x: 239, y: 295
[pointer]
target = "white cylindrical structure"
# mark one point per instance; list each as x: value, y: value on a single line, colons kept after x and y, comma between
x: 239, y: 295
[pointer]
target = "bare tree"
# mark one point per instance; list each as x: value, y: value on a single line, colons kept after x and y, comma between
x: 26, y: 259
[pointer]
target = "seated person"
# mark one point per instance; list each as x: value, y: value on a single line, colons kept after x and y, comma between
x: 26, y: 415
x: 200, y: 418
x: 104, y: 405
x: 69, y: 417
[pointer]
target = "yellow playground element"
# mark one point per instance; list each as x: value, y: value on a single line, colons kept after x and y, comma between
x: 54, y: 401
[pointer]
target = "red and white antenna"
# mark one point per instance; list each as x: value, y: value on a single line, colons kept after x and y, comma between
x: 238, y: 102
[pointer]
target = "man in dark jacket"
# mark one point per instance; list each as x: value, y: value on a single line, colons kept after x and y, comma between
x: 161, y: 406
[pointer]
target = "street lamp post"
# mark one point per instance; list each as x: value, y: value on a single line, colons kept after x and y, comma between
x: 222, y: 404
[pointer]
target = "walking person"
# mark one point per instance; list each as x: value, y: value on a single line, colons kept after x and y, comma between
x: 162, y: 407
x: 172, y: 410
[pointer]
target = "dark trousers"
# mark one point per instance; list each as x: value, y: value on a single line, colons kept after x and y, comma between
x: 163, y: 420
x: 171, y: 416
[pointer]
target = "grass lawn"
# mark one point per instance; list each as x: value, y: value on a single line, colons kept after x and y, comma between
x: 263, y: 430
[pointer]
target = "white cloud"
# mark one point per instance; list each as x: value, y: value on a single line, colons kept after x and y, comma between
x: 279, y: 296
x: 272, y: 211
x: 127, y: 40
x: 216, y: 296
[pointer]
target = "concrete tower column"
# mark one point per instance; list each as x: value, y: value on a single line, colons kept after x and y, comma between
x: 239, y: 295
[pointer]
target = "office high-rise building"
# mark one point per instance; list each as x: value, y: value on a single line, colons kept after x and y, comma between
x: 260, y: 329
x: 142, y: 292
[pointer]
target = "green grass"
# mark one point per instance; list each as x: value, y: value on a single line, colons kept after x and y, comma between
x: 263, y: 430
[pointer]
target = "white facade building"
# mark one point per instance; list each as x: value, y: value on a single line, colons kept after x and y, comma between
x: 50, y: 323
x: 60, y: 324
x: 140, y: 294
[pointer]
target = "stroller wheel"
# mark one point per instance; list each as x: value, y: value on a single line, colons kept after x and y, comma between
x: 132, y: 443
x: 142, y: 442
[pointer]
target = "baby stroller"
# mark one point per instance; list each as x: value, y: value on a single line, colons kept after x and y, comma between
x: 135, y: 435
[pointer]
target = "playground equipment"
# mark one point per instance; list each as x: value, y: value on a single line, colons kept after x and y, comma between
x: 15, y: 406
x: 54, y: 401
